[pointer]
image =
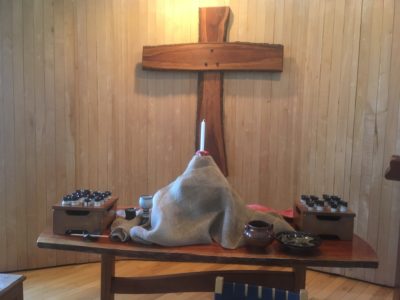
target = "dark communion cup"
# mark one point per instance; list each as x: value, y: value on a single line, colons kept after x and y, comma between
x: 258, y: 234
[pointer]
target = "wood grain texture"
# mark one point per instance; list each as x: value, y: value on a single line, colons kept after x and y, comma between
x: 56, y: 282
x: 77, y: 111
x: 239, y: 56
x: 213, y: 27
x: 354, y: 253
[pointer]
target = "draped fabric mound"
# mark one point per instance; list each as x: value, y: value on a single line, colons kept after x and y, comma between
x: 200, y: 207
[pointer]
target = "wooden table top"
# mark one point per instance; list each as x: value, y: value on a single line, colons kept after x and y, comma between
x: 331, y: 253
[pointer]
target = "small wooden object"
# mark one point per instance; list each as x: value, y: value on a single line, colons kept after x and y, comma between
x: 93, y: 219
x: 324, y: 223
x: 11, y: 287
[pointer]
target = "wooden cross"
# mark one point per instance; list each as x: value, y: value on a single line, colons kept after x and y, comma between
x: 210, y: 57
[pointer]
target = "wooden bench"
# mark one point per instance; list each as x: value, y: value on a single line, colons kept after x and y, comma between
x: 11, y: 287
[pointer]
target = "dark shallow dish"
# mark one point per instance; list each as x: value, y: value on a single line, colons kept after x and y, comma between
x: 298, y: 240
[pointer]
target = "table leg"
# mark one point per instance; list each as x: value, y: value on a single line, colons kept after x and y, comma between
x: 299, y: 277
x: 107, y: 273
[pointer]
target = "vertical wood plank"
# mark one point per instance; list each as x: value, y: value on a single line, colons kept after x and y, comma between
x: 94, y: 167
x: 43, y: 114
x: 7, y: 166
x: 393, y: 134
x: 376, y: 134
x: 3, y: 213
x: 323, y: 159
x: 82, y: 105
x: 384, y: 128
x: 70, y: 94
x: 265, y: 170
x: 19, y: 116
x: 70, y: 103
x: 312, y: 59
x: 335, y: 138
x: 61, y: 140
x: 33, y: 89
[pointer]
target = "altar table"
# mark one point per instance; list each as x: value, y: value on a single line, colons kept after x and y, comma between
x: 332, y: 253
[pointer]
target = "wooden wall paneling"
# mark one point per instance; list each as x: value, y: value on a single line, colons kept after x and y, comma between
x: 274, y: 122
x: 184, y: 115
x: 43, y: 125
x: 351, y: 61
x: 104, y: 79
x: 334, y: 175
x: 244, y: 121
x: 6, y: 131
x: 119, y: 54
x: 375, y: 130
x: 311, y: 76
x: 19, y: 116
x: 358, y: 120
x: 33, y: 89
x: 265, y: 169
x: 138, y: 124
x: 3, y: 214
x: 188, y: 82
x: 109, y: 41
x: 61, y: 140
x: 70, y: 81
x: 82, y: 106
x: 152, y: 78
x: 385, y: 137
x: 118, y: 18
x: 299, y: 31
x: 95, y: 167
x: 161, y: 111
x: 81, y: 116
x: 281, y: 93
x: 244, y: 105
x: 150, y: 92
x: 121, y: 13
x: 349, y: 78
x: 292, y: 104
x: 230, y: 94
x: 11, y: 184
x: 231, y: 97
x: 68, y: 101
x: 171, y: 102
x: 324, y: 114
x: 252, y: 128
x: 358, y: 130
x: 335, y: 143
x: 104, y: 89
x: 113, y: 101
x: 163, y: 107
x: 393, y: 146
x: 138, y: 118
x: 342, y: 100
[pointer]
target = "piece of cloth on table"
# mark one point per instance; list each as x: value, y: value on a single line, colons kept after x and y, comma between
x: 120, y: 228
x: 200, y: 207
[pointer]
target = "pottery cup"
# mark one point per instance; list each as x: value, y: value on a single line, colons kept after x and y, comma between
x: 258, y: 234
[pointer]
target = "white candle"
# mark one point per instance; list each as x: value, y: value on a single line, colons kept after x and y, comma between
x: 202, y: 135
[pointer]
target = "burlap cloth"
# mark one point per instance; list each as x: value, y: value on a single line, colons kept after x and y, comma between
x: 200, y: 207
